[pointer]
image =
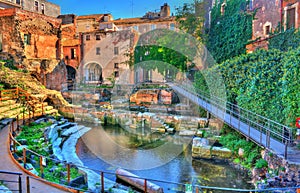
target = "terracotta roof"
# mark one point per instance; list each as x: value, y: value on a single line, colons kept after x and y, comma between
x: 93, y: 16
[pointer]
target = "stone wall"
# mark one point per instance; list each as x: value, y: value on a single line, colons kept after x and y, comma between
x: 69, y: 41
x: 43, y: 32
x: 280, y: 173
x: 33, y: 40
x: 56, y: 79
x: 268, y: 14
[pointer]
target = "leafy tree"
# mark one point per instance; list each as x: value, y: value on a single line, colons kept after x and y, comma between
x: 191, y: 17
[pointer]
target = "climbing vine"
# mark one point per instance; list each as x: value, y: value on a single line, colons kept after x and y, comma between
x: 289, y: 39
x: 265, y: 82
x: 230, y: 30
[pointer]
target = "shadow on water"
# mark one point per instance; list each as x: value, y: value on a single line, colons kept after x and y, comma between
x: 112, y: 147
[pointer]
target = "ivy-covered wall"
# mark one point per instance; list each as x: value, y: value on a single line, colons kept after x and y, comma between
x: 265, y: 82
x: 230, y: 29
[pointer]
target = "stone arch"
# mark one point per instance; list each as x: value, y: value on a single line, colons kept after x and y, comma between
x: 93, y: 72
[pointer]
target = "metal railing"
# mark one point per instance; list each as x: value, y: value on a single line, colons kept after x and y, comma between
x: 243, y: 120
x: 29, y: 156
x: 18, y: 181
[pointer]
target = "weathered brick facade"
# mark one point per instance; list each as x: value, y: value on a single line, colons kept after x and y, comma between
x: 272, y: 15
x: 33, y: 40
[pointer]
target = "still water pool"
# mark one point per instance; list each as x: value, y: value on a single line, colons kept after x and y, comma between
x: 155, y: 156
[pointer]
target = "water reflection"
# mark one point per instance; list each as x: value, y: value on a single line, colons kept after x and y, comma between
x: 108, y: 148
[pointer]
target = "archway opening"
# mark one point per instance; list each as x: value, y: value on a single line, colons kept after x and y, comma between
x: 71, y: 77
x: 93, y: 73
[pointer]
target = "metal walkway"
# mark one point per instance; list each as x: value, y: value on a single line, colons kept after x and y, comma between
x: 259, y: 129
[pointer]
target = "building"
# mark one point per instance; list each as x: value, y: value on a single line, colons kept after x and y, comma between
x: 271, y: 16
x: 104, y: 56
x: 89, y: 23
x: 107, y: 50
x: 33, y: 41
x: 71, y: 46
x: 38, y: 6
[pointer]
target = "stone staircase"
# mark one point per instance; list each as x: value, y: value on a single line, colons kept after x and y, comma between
x: 11, y: 108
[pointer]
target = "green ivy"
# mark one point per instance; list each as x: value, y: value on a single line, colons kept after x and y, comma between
x: 289, y: 39
x: 265, y: 82
x: 230, y: 32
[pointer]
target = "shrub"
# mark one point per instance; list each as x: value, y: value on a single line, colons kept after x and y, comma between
x: 261, y: 163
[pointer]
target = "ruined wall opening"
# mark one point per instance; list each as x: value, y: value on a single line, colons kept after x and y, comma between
x: 71, y: 75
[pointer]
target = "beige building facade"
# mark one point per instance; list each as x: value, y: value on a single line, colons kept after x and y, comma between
x: 38, y: 6
x: 107, y: 51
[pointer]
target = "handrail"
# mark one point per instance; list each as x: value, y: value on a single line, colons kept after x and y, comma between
x: 217, y: 101
x: 8, y: 172
x: 196, y: 187
x: 19, y: 181
x: 267, y: 128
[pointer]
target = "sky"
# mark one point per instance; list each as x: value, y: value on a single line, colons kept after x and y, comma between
x: 118, y: 8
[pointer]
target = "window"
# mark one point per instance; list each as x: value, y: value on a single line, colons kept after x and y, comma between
x: 116, y: 65
x: 18, y: 2
x: 43, y: 8
x: 136, y: 28
x: 116, y: 74
x: 153, y: 27
x: 291, y: 18
x: 116, y: 50
x: 98, y: 37
x: 73, y: 53
x: 172, y: 26
x: 250, y: 5
x: 87, y: 37
x: 98, y: 51
x: 27, y: 39
x: 36, y: 6
x: 267, y: 29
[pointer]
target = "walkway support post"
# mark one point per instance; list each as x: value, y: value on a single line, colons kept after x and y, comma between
x: 27, y: 184
x: 68, y: 173
x: 145, y: 185
x: 285, y: 149
x: 24, y: 157
x: 20, y: 184
x: 41, y: 166
x: 102, y: 182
